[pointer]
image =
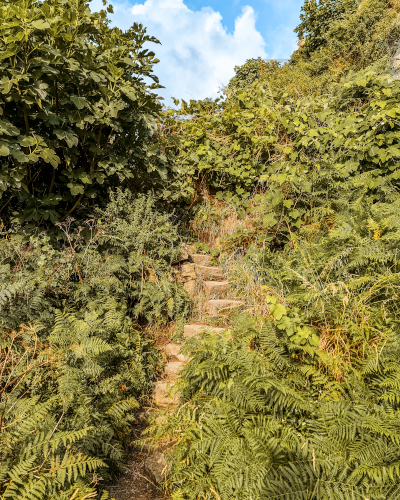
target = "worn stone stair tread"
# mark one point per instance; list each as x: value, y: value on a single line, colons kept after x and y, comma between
x: 161, y: 395
x: 201, y: 260
x: 172, y: 351
x: 214, y: 307
x: 195, y: 329
x: 190, y: 287
x: 206, y: 271
x: 155, y: 467
x: 172, y: 367
x: 188, y: 271
x: 212, y: 287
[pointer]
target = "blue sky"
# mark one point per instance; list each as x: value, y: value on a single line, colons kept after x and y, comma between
x: 271, y: 17
x: 202, y: 40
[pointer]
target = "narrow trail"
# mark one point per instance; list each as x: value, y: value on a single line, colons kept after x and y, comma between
x: 211, y: 295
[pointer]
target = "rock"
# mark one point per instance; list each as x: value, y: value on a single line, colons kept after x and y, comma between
x: 193, y: 330
x: 215, y: 287
x: 161, y: 397
x: 172, y: 350
x: 191, y: 250
x: 190, y: 287
x: 184, y: 255
x: 202, y: 260
x: 216, y: 306
x: 155, y: 467
x: 172, y: 369
x: 207, y: 271
x: 188, y: 272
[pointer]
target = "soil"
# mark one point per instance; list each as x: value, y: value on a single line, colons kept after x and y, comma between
x: 133, y: 483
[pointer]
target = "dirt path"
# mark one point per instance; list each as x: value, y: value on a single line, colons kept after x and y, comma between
x: 133, y: 483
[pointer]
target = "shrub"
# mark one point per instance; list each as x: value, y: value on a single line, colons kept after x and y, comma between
x: 77, y: 115
x: 73, y: 354
x: 258, y: 423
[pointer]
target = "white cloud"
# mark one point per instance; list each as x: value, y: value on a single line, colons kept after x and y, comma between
x: 197, y: 54
x: 283, y: 42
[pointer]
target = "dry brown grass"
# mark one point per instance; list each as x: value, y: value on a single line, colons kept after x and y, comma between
x: 246, y: 284
x: 161, y: 333
x: 217, y: 220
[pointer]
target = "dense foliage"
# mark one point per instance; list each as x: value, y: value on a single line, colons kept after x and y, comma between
x: 262, y: 425
x: 231, y: 143
x: 77, y: 115
x: 74, y: 361
x: 300, y: 398
x: 301, y: 164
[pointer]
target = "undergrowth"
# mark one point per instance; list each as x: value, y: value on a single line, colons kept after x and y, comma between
x: 74, y: 361
x: 293, y: 178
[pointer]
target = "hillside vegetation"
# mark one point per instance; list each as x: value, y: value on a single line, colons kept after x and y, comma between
x: 291, y: 178
x: 84, y: 262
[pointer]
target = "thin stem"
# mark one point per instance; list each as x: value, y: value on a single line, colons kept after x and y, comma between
x: 26, y: 120
x: 53, y: 178
x: 74, y: 207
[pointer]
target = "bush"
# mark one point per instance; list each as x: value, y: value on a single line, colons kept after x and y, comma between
x: 300, y: 173
x: 257, y: 422
x: 75, y: 362
x: 77, y: 115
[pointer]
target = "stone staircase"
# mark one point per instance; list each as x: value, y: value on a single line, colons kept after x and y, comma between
x: 200, y: 279
x: 209, y: 290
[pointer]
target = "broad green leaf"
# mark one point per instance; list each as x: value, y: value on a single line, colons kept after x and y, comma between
x: 6, y: 85
x: 26, y: 141
x: 278, y: 310
x: 50, y: 156
x: 129, y: 92
x: 80, y: 102
x: 76, y: 188
x: 8, y: 128
x: 40, y: 24
x: 294, y: 214
x: 4, y: 151
x: 269, y: 220
x: 281, y: 178
x: 70, y: 138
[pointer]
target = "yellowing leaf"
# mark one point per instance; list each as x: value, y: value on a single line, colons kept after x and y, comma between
x: 4, y: 151
x: 278, y: 311
x: 40, y: 24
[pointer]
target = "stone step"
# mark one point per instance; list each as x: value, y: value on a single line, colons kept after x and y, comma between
x: 190, y: 287
x: 202, y: 260
x: 216, y: 306
x: 172, y: 351
x: 161, y: 395
x: 215, y: 287
x: 207, y: 271
x: 155, y: 467
x: 183, y: 255
x: 193, y: 330
x: 172, y: 368
x: 188, y: 272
